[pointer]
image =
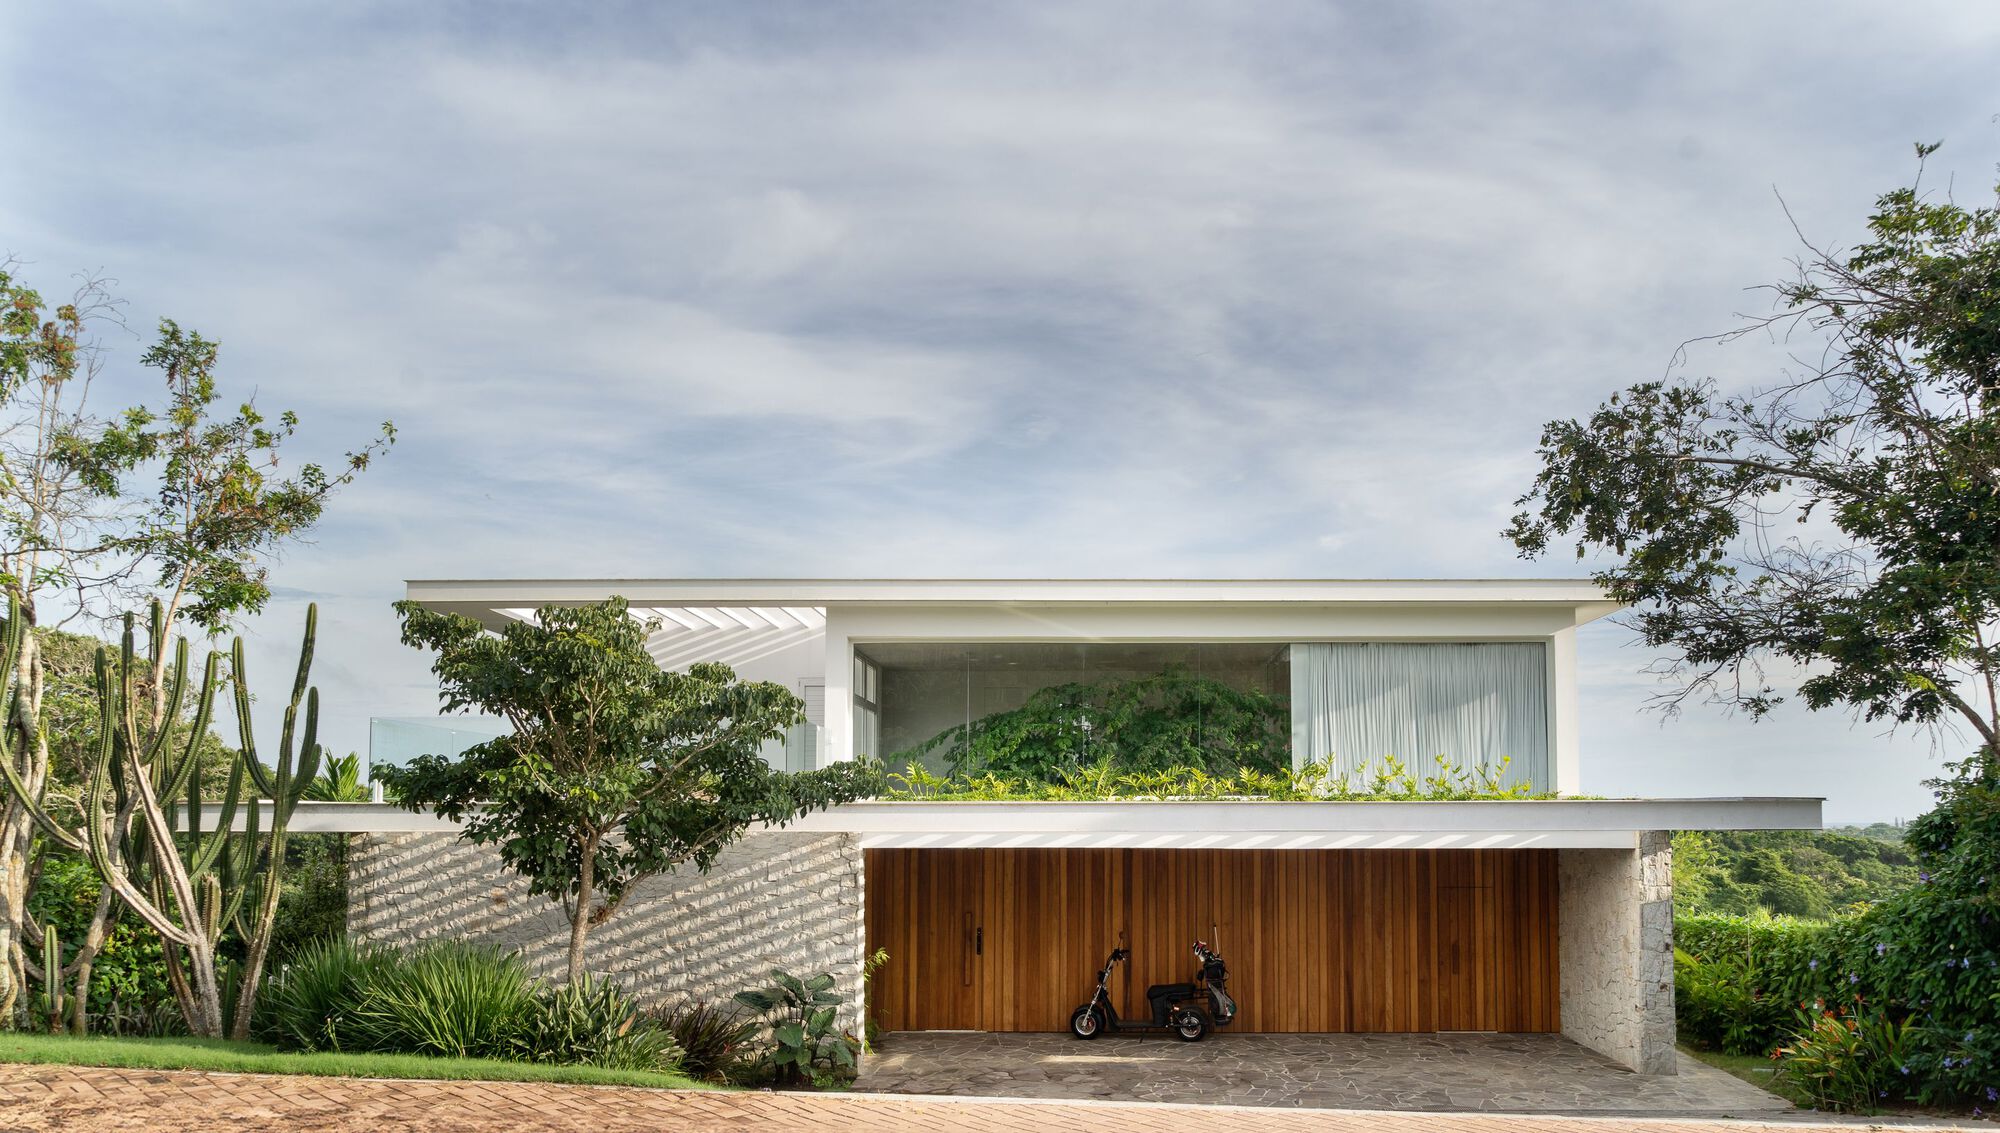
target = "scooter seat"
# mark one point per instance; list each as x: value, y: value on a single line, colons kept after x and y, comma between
x: 1171, y: 991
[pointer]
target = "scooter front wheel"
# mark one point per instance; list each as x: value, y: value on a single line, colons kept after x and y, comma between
x: 1190, y: 1027
x: 1086, y: 1022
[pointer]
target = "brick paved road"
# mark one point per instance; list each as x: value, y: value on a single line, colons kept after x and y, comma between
x: 84, y: 1100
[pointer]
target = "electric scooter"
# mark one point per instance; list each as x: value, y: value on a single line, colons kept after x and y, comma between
x: 1175, y: 1007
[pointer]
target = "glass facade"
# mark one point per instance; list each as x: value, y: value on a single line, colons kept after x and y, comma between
x: 1048, y: 709
x: 1028, y: 707
x: 395, y: 740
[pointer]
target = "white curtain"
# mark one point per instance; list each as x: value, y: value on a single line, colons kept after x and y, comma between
x: 1474, y: 703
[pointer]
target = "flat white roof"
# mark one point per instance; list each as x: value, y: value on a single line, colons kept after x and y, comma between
x: 1219, y: 825
x: 486, y: 598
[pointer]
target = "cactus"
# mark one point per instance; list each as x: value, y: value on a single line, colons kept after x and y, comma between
x: 52, y: 995
x: 143, y: 827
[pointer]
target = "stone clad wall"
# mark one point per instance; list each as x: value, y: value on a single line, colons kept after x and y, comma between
x: 772, y: 900
x: 1617, y: 952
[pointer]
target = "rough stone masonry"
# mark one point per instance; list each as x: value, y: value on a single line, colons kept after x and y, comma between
x: 1617, y: 951
x: 772, y: 900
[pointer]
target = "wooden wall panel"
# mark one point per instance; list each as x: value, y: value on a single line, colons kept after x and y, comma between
x: 1468, y: 958
x: 1388, y: 908
x: 1317, y: 940
x: 1526, y: 936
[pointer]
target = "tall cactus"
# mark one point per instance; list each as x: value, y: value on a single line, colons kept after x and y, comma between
x: 285, y: 786
x: 143, y: 829
x: 52, y: 985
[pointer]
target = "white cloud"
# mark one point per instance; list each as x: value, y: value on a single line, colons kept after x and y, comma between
x: 1098, y: 288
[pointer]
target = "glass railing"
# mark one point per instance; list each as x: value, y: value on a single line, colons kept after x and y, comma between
x: 799, y: 750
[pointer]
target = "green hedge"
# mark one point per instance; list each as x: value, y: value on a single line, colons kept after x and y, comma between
x: 1789, y: 958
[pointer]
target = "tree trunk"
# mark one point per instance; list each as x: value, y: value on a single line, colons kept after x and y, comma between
x: 17, y: 830
x: 257, y: 947
x: 206, y: 1020
x: 86, y: 959
x: 579, y: 920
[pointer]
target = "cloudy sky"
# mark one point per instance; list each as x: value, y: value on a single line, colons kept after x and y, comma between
x: 920, y: 289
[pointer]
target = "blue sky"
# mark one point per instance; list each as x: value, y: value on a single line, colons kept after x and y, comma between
x: 918, y: 289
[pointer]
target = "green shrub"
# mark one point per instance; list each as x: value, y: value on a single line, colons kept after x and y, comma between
x: 1719, y: 1005
x: 457, y: 1000
x: 803, y: 1038
x: 1846, y: 1061
x: 1788, y: 962
x: 445, y: 998
x: 309, y: 1002
x: 129, y: 992
x: 712, y: 1040
x: 1388, y: 779
x: 591, y: 1023
x: 1169, y: 719
x: 312, y: 902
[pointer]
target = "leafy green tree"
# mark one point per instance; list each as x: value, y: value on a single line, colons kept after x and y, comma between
x: 52, y: 532
x: 219, y: 512
x: 1886, y: 438
x: 616, y: 770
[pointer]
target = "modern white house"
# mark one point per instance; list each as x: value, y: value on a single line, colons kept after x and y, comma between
x: 1545, y: 915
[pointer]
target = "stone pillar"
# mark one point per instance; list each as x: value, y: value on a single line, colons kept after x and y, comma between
x: 1617, y: 951
x: 773, y: 900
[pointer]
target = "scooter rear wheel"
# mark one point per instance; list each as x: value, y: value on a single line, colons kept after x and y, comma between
x: 1086, y: 1022
x: 1190, y: 1027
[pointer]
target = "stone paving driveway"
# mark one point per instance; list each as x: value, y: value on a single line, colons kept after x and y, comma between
x: 81, y: 1100
x: 1438, y: 1072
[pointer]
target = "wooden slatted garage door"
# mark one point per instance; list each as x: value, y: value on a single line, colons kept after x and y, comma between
x: 1317, y: 940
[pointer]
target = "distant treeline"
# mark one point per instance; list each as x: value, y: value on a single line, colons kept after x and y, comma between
x: 1797, y: 873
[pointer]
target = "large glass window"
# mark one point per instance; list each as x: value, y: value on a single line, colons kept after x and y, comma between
x: 1051, y: 708
x: 867, y: 706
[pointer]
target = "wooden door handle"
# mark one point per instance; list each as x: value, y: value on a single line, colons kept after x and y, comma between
x: 979, y: 941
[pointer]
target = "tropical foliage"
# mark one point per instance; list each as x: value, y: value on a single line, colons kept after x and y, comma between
x: 187, y: 884
x: 1795, y: 873
x: 714, y: 1040
x: 804, y: 1036
x: 1925, y: 961
x: 1385, y: 780
x: 190, y: 504
x: 1167, y: 720
x: 455, y: 1000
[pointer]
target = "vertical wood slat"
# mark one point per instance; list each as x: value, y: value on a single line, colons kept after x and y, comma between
x: 1370, y: 940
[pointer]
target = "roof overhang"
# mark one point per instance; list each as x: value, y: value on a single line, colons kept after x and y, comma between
x: 494, y: 601
x: 1219, y: 825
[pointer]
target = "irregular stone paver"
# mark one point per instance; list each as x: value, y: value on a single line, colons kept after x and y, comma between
x: 1481, y: 1073
x: 90, y: 1100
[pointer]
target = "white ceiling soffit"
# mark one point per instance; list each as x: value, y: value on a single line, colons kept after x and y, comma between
x: 732, y: 635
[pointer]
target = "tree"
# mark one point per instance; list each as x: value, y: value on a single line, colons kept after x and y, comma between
x: 219, y: 513
x: 616, y: 770
x: 52, y: 520
x: 1882, y: 452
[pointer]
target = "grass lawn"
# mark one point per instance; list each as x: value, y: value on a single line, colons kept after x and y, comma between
x: 1755, y: 1069
x: 258, y: 1058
